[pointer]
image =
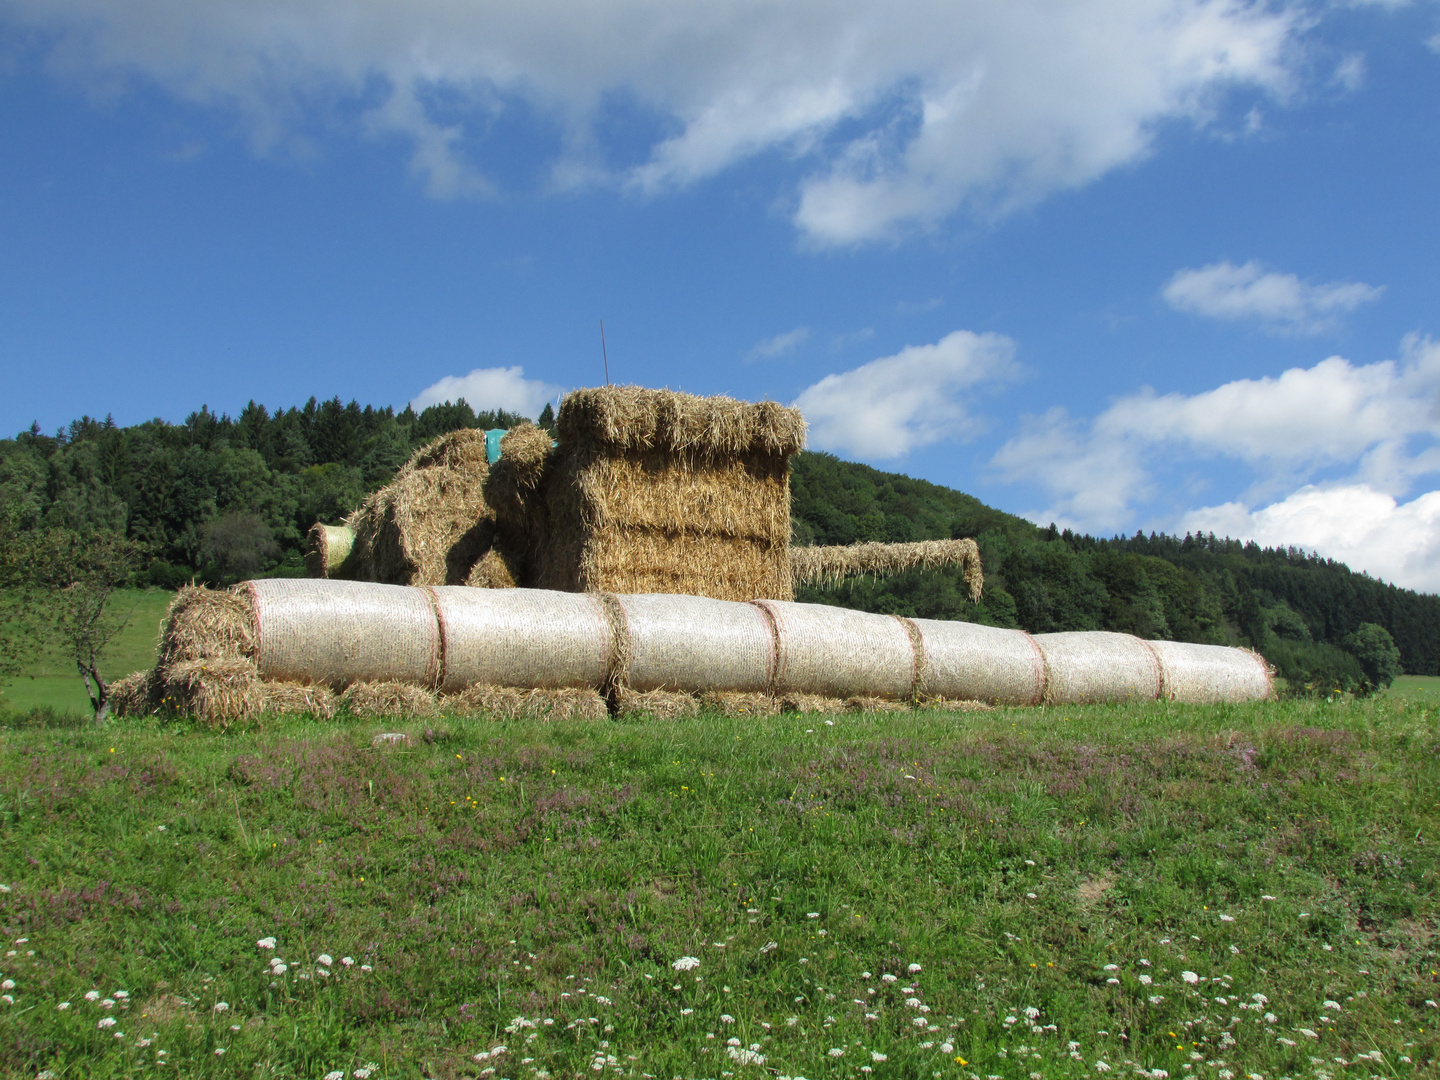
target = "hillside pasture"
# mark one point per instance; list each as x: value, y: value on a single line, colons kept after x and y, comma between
x: 1193, y: 891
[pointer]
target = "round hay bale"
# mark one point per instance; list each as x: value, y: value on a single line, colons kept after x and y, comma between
x: 339, y: 632
x: 422, y: 527
x: 1097, y: 666
x: 1211, y: 674
x: 968, y: 661
x: 523, y: 637
x: 696, y: 643
x: 836, y: 652
x: 327, y: 547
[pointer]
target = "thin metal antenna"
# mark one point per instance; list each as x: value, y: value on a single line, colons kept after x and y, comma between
x: 605, y: 355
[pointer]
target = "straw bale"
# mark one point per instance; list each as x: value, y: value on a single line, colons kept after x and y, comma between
x: 811, y: 703
x: 515, y: 492
x: 133, y: 695
x: 970, y: 661
x: 513, y: 703
x: 868, y: 703
x: 216, y: 692
x: 655, y: 491
x: 1094, y: 666
x: 207, y: 624
x: 943, y: 704
x: 338, y: 632
x: 327, y: 547
x: 734, y: 703
x: 493, y: 571
x: 523, y: 637
x: 694, y: 643
x: 825, y: 565
x: 294, y: 697
x: 428, y: 526
x: 1211, y: 674
x: 636, y: 418
x: 373, y: 700
x: 661, y: 704
x: 841, y: 653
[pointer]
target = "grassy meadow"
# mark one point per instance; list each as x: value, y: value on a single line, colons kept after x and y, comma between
x: 1216, y: 892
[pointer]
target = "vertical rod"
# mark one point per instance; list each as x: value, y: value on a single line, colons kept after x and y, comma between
x: 604, y: 354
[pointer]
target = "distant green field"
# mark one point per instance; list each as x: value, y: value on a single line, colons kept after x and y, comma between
x: 1419, y: 688
x: 52, y: 681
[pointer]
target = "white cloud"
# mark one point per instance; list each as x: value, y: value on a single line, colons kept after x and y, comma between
x: 779, y: 345
x: 1280, y: 301
x: 897, y: 113
x: 1378, y: 421
x: 1364, y: 528
x: 491, y: 388
x: 888, y: 407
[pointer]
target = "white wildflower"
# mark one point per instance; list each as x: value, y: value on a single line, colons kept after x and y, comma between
x: 686, y: 963
x: 1308, y: 1033
x: 1190, y: 977
x: 1101, y: 1066
x: 92, y: 995
x: 1155, y: 999
x: 1112, y: 967
x: 914, y: 969
x: 267, y: 943
x: 8, y: 984
x: 1227, y: 918
x: 106, y: 1022
x: 347, y: 961
x: 726, y: 1018
x: 335, y: 1074
x: 63, y: 1006
x: 876, y: 1055
x: 835, y: 1052
x: 222, y: 1006
x: 887, y: 977
x: 1145, y: 980
x: 324, y: 960
x: 279, y: 969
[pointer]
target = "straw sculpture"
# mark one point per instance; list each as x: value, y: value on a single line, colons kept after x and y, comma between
x: 649, y: 653
x: 826, y: 565
x: 430, y: 524
x: 655, y: 491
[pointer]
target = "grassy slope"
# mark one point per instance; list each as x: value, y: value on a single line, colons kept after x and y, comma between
x: 1283, y: 853
x: 51, y: 681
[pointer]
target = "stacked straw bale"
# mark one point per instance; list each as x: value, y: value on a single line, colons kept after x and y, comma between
x: 388, y: 649
x: 826, y: 565
x: 428, y: 526
x: 327, y: 551
x: 655, y: 491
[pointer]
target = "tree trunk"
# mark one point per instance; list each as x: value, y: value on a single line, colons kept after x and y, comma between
x: 97, y: 689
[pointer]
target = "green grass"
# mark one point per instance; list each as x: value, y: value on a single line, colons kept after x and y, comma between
x: 533, y: 886
x: 1418, y: 688
x: 50, y: 682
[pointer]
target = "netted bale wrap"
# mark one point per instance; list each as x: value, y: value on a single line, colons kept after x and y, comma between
x: 969, y: 661
x: 1211, y: 674
x: 694, y: 642
x: 523, y: 637
x: 339, y: 632
x: 1093, y: 666
x: 328, y: 549
x: 826, y: 565
x: 837, y: 652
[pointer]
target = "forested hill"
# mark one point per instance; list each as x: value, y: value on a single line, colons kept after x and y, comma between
x: 217, y: 499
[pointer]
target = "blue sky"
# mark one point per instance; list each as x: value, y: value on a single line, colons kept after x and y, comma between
x: 1120, y: 264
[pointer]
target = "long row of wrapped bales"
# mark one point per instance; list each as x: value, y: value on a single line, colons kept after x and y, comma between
x: 336, y: 636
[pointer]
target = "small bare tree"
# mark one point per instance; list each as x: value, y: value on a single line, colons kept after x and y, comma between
x: 77, y: 575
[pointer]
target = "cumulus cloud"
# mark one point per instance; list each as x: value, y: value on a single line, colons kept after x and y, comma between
x: 1364, y: 528
x: 1377, y: 421
x: 1279, y: 301
x: 779, y: 345
x: 888, y: 407
x: 490, y: 388
x: 895, y: 114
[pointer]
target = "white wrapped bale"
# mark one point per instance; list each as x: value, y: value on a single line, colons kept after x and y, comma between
x: 695, y: 643
x: 1086, y: 667
x: 970, y: 662
x: 523, y: 637
x: 1212, y: 674
x: 339, y: 632
x: 836, y: 652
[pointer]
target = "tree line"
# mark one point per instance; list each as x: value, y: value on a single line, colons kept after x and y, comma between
x: 216, y: 499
